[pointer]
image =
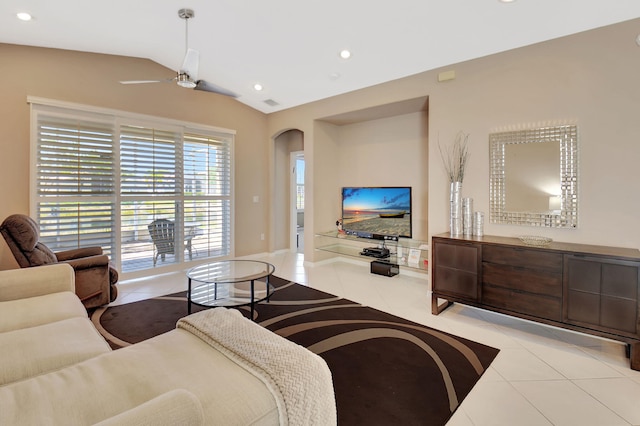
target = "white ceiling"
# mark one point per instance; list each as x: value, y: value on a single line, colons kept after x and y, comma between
x: 291, y: 46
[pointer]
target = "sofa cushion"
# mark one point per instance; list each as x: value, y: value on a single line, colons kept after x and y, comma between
x: 35, y: 311
x: 36, y: 350
x: 31, y: 282
x: 177, y: 407
x: 128, y: 377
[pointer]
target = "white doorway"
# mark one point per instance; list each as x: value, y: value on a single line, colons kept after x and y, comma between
x: 296, y: 226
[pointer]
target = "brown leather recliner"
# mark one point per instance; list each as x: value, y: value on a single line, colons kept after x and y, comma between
x: 96, y: 278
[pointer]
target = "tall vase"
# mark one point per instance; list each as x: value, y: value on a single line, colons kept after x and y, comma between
x: 455, y: 208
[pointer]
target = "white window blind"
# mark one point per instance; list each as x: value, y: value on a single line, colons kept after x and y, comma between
x: 150, y: 190
x: 104, y: 181
x: 75, y: 182
x: 207, y: 189
x: 148, y: 161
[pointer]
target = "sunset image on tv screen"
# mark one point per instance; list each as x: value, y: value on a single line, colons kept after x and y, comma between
x: 377, y: 210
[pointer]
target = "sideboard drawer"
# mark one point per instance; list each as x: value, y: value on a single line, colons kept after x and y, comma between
x: 538, y: 281
x: 523, y: 303
x: 523, y: 258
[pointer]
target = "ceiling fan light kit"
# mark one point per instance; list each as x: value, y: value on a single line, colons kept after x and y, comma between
x: 187, y: 76
x: 183, y: 80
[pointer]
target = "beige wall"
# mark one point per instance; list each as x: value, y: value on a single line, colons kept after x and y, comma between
x: 92, y: 79
x: 589, y: 78
x: 386, y: 152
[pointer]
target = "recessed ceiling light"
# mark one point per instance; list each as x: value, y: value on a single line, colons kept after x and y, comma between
x: 506, y: 1
x: 345, y: 54
x: 258, y: 87
x: 24, y: 16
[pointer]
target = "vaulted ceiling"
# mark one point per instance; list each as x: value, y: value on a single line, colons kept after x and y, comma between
x: 291, y: 47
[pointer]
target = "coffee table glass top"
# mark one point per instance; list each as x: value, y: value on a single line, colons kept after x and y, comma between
x: 230, y: 283
x: 231, y: 271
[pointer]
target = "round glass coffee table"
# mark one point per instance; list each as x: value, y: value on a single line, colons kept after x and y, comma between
x: 229, y: 283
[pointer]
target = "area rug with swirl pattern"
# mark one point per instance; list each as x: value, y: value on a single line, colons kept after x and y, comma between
x: 386, y: 370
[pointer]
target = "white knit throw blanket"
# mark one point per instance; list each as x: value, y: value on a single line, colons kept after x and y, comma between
x: 299, y: 380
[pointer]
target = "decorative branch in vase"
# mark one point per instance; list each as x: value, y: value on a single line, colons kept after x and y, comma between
x: 455, y: 161
x: 455, y: 157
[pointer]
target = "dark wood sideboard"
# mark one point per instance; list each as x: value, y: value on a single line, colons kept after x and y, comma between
x: 586, y: 288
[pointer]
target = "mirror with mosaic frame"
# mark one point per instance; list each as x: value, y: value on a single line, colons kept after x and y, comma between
x: 534, y: 177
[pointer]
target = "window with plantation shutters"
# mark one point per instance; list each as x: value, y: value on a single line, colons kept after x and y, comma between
x: 150, y: 190
x: 207, y: 193
x: 105, y: 178
x: 75, y: 182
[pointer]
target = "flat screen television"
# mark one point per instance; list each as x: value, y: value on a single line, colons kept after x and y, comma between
x: 377, y: 212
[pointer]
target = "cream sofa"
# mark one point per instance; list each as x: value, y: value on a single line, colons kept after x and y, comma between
x: 57, y: 369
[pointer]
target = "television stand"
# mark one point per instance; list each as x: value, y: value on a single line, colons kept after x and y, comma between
x: 353, y: 246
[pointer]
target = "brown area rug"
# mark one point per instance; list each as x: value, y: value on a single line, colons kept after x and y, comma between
x: 386, y: 370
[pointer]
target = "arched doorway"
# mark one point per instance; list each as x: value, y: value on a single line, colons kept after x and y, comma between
x: 288, y: 147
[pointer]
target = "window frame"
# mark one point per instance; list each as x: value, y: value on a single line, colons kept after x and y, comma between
x: 117, y: 119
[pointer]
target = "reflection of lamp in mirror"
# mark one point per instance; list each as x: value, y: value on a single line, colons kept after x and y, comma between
x: 555, y: 203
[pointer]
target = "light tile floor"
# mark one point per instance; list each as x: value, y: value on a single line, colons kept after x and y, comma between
x: 542, y: 375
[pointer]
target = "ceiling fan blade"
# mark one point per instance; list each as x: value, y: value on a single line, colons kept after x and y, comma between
x: 146, y: 81
x: 190, y: 64
x: 140, y: 81
x: 210, y: 87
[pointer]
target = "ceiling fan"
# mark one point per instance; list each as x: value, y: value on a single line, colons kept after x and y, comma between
x: 187, y: 75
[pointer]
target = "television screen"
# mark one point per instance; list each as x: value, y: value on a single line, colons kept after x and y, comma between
x: 377, y: 211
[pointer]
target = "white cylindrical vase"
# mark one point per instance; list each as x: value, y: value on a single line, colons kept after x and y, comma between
x: 455, y: 208
x: 478, y: 224
x: 467, y: 216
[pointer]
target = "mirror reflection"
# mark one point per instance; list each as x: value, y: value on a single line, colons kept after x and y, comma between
x: 532, y: 176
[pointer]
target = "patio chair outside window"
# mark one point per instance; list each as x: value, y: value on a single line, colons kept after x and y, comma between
x: 162, y: 233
